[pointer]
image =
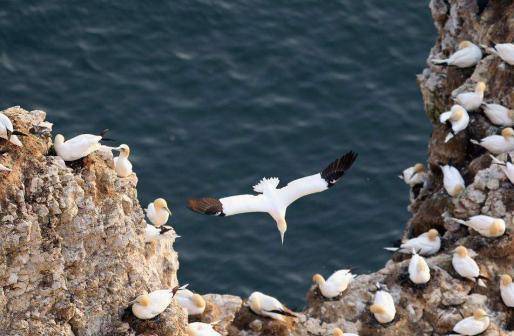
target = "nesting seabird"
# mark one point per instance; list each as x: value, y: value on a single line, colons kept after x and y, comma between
x: 419, y: 272
x: 148, y: 306
x: 457, y: 119
x: 452, y: 181
x: 473, y: 325
x: 505, y: 51
x: 78, y: 147
x: 122, y: 165
x: 7, y: 131
x: 192, y: 302
x: 468, y: 55
x: 507, y: 167
x: 486, y: 226
x: 335, y: 284
x: 383, y: 307
x: 201, y: 329
x: 153, y: 233
x: 339, y: 332
x: 158, y: 212
x: 499, y: 114
x: 268, y: 306
x: 464, y: 265
x: 427, y: 243
x: 272, y: 200
x: 414, y: 175
x: 507, y: 290
x: 471, y: 101
x: 498, y: 144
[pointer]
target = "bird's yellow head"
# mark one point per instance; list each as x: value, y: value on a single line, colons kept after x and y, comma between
x: 465, y: 44
x: 458, y: 189
x: 377, y: 309
x: 160, y: 203
x: 125, y: 150
x: 507, y: 132
x: 497, y: 226
x: 419, y: 167
x: 190, y: 331
x: 199, y: 301
x: 58, y: 140
x: 254, y: 302
x: 318, y: 279
x: 461, y: 251
x: 458, y: 113
x: 432, y: 234
x: 338, y: 332
x: 479, y: 314
x: 143, y: 300
x: 282, y: 228
x: 505, y: 280
x: 421, y: 265
x: 480, y: 88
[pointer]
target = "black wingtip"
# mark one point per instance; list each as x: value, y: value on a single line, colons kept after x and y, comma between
x: 336, y: 169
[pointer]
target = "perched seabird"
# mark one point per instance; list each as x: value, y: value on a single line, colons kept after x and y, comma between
x: 464, y: 265
x: 486, y: 226
x: 427, y: 243
x: 156, y: 233
x: 268, y: 306
x: 452, y: 181
x: 473, y: 325
x: 507, y: 167
x: 78, y: 147
x: 339, y: 332
x: 383, y: 307
x: 335, y: 284
x: 158, y: 212
x: 505, y: 51
x: 419, y: 272
x: 498, y: 144
x: 194, y: 303
x: 148, y: 306
x: 7, y: 131
x: 414, y: 175
x: 201, y: 329
x: 122, y: 165
x: 499, y: 114
x: 507, y: 290
x: 272, y: 200
x: 468, y: 55
x: 471, y: 101
x: 457, y: 120
x: 4, y: 168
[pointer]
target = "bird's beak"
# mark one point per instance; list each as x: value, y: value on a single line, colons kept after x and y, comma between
x: 282, y: 237
x: 168, y: 209
x: 9, y: 134
x: 282, y: 227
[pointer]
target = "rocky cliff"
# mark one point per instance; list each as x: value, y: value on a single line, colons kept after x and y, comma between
x: 73, y: 255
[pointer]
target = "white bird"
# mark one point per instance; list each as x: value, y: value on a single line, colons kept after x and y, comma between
x: 468, y: 55
x: 201, y: 329
x: 78, y: 147
x: 499, y: 114
x: 414, y: 175
x: 268, y: 306
x: 383, y: 307
x: 471, y: 101
x: 473, y: 325
x: 272, y: 200
x: 419, y: 272
x: 7, y: 131
x: 464, y: 265
x: 505, y: 51
x: 498, y: 144
x: 457, y: 120
x: 153, y: 233
x: 486, y: 226
x: 335, y: 284
x: 507, y: 167
x: 158, y: 212
x: 148, y: 306
x: 427, y: 243
x: 4, y: 168
x: 192, y: 302
x: 339, y: 332
x: 122, y: 165
x: 507, y: 290
x: 452, y: 181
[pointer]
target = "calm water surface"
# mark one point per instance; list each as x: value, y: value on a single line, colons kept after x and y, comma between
x: 213, y: 95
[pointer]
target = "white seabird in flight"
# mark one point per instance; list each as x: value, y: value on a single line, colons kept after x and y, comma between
x: 268, y: 306
x: 457, y: 120
x: 201, y: 329
x: 505, y: 51
x: 507, y: 290
x: 498, y: 144
x: 414, y: 175
x: 471, y: 101
x: 452, y: 181
x: 272, y: 200
x: 419, y: 272
x: 339, y: 332
x: 148, y: 306
x: 486, y: 226
x: 78, y: 147
x: 468, y: 55
x: 122, y: 165
x: 499, y: 114
x: 427, y: 243
x: 335, y: 284
x: 192, y: 302
x: 383, y: 307
x: 158, y: 212
x: 473, y: 325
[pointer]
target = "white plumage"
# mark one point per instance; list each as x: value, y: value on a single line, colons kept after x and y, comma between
x: 335, y: 284
x: 486, y: 226
x: 499, y: 114
x: 507, y: 167
x: 427, y: 243
x: 471, y: 101
x: 464, y: 265
x: 268, y: 306
x: 4, y: 168
x: 507, y: 290
x: 153, y: 233
x: 6, y: 130
x: 77, y: 147
x: 498, y: 144
x: 452, y: 180
x: 339, y: 332
x: 383, y: 307
x: 458, y: 118
x: 192, y: 302
x: 468, y: 55
x: 122, y: 165
x: 158, y: 212
x: 147, y: 306
x: 473, y: 325
x: 201, y: 329
x: 414, y: 175
x: 505, y: 51
x: 419, y: 272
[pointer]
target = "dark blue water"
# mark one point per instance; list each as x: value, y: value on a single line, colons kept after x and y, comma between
x: 213, y: 95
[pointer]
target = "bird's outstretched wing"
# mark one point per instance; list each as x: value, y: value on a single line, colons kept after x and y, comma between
x: 318, y: 182
x: 228, y: 206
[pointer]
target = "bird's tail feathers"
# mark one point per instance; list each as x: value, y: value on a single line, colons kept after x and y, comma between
x: 266, y: 182
x: 475, y: 142
x: 460, y: 221
x: 440, y: 61
x: 391, y: 249
x: 496, y: 161
x: 448, y: 137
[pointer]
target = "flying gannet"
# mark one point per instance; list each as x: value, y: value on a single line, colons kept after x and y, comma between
x: 335, y: 284
x: 427, y: 243
x: 499, y: 114
x: 148, y: 306
x: 457, y: 119
x: 339, y: 332
x: 507, y: 290
x: 486, y: 226
x: 468, y: 55
x: 153, y: 233
x: 507, y: 167
x: 383, y: 307
x: 158, y: 212
x: 498, y: 144
x: 473, y: 325
x: 268, y: 306
x: 78, y: 147
x: 192, y: 302
x: 122, y: 165
x: 471, y: 101
x: 505, y: 51
x: 464, y: 265
x: 419, y: 272
x: 414, y: 175
x: 452, y: 181
x: 201, y: 329
x: 272, y: 200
